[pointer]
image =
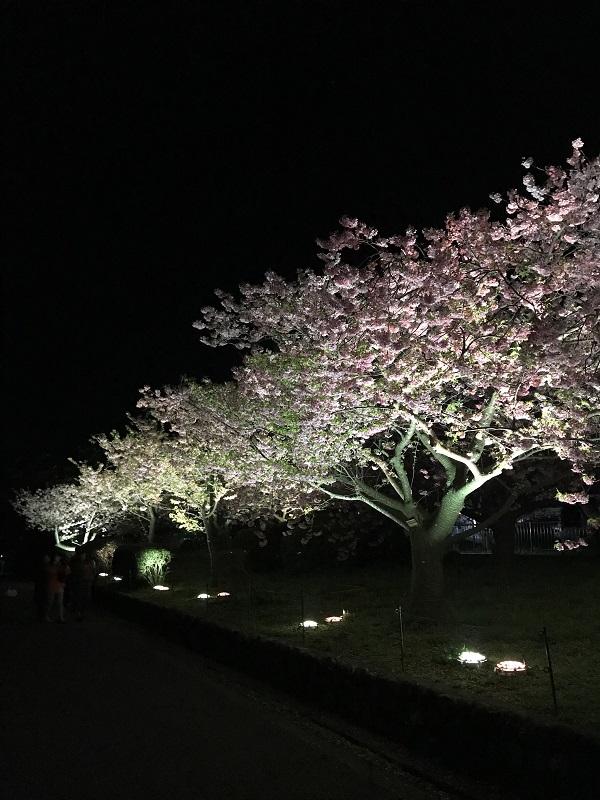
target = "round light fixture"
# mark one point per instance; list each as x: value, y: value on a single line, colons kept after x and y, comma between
x: 510, y: 667
x: 471, y: 659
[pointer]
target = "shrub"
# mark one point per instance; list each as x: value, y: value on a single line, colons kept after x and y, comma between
x: 152, y: 564
x: 104, y: 555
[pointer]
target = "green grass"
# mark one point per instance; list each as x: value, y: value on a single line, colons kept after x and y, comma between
x: 500, y: 617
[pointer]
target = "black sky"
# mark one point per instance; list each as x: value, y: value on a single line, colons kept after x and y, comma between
x: 156, y: 151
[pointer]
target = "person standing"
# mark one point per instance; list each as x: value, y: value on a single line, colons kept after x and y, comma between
x: 56, y: 574
x: 84, y: 572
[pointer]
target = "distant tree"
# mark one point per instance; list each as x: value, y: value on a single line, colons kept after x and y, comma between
x: 410, y: 377
x: 76, y: 513
x: 139, y: 470
x: 217, y: 473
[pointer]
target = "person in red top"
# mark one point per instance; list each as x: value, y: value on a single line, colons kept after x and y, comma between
x: 56, y: 574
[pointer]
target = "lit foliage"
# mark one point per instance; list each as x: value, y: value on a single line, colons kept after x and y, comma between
x: 104, y: 555
x: 75, y: 512
x: 152, y: 564
x: 221, y: 469
x: 198, y: 478
x: 438, y: 363
x: 138, y: 474
x: 569, y: 544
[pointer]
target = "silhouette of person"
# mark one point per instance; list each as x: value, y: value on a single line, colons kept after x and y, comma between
x: 56, y: 574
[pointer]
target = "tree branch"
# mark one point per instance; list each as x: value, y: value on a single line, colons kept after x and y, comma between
x: 447, y: 464
x: 400, y: 485
x: 365, y: 490
x: 481, y: 435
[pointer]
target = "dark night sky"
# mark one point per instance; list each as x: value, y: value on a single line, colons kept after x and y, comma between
x: 156, y: 151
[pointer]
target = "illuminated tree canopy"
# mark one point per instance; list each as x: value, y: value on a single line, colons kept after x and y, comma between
x: 76, y: 513
x: 407, y: 374
x: 410, y: 374
x: 223, y: 467
x: 139, y: 470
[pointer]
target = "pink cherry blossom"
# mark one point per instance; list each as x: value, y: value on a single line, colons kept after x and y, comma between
x: 472, y: 346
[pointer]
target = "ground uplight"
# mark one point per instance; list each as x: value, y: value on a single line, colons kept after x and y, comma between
x: 470, y: 658
x: 510, y: 667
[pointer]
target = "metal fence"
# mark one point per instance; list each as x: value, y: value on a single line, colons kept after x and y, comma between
x: 531, y: 537
x: 539, y: 537
x: 480, y: 542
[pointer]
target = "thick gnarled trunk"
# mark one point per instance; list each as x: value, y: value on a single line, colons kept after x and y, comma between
x: 429, y: 544
x: 427, y: 575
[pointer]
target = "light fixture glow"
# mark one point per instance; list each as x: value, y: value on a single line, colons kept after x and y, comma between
x: 468, y: 657
x: 511, y: 666
x: 116, y: 578
x: 103, y: 574
x: 203, y: 596
x: 308, y: 623
x: 334, y: 619
x: 161, y: 588
x: 223, y: 594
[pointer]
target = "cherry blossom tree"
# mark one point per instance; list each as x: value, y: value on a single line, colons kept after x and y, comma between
x: 411, y: 374
x: 222, y: 468
x: 76, y: 513
x: 139, y: 472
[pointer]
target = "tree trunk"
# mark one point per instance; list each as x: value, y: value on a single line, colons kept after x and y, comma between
x: 151, y: 525
x: 213, y: 542
x: 429, y: 544
x: 427, y: 576
x: 211, y: 556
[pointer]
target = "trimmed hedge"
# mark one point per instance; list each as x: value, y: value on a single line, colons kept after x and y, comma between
x: 537, y: 758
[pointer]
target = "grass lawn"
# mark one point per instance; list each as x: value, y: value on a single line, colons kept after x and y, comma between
x: 501, y: 618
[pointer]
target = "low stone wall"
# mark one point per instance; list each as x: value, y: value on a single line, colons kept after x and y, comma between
x: 538, y: 759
